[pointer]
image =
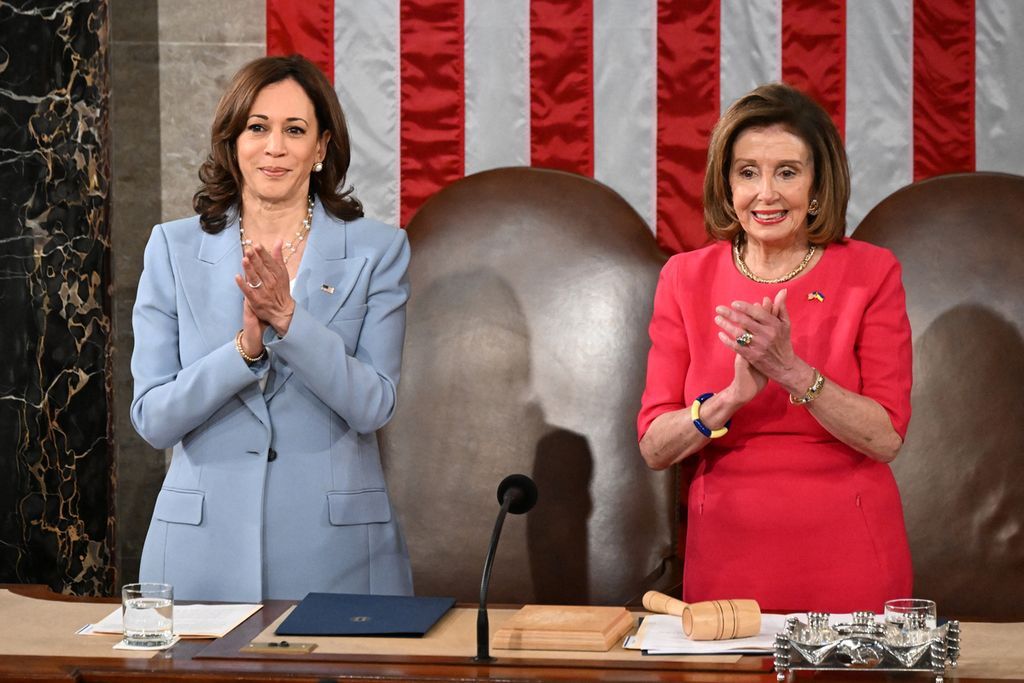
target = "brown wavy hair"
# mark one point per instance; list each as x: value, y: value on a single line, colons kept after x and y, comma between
x: 780, y: 104
x: 220, y: 175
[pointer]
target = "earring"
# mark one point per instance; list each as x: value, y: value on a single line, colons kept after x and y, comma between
x: 813, y: 207
x: 318, y: 166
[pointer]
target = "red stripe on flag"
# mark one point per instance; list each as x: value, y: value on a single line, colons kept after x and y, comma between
x: 306, y: 28
x: 688, y: 107
x: 562, y: 85
x: 814, y: 52
x: 943, y: 87
x: 432, y: 98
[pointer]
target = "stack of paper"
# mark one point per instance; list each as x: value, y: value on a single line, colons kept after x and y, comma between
x: 190, y: 621
x: 661, y: 634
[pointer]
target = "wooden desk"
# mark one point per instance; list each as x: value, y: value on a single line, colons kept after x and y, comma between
x: 221, y: 660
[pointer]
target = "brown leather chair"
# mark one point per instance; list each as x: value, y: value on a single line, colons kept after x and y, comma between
x: 960, y: 239
x: 525, y: 352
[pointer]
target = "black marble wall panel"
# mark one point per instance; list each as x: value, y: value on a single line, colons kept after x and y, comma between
x: 56, y: 478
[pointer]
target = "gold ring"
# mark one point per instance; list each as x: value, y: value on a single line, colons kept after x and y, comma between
x: 745, y: 339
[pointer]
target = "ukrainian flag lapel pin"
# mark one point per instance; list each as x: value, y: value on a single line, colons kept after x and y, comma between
x: 815, y: 296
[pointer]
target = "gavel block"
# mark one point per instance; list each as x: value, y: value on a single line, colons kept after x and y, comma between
x: 711, y: 619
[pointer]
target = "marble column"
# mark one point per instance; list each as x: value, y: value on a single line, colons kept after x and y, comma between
x: 170, y: 62
x: 135, y: 104
x: 56, y: 475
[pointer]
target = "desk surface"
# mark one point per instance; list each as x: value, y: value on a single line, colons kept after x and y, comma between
x: 89, y: 658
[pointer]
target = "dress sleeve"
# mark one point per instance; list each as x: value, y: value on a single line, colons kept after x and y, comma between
x: 360, y: 388
x: 884, y: 348
x: 669, y: 357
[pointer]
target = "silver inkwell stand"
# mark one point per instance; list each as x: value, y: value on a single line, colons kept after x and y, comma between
x: 820, y: 645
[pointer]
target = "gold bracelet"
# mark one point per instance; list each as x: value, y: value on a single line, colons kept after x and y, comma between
x: 250, y: 360
x: 812, y: 393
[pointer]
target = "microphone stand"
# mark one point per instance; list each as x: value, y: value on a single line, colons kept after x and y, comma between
x: 482, y: 624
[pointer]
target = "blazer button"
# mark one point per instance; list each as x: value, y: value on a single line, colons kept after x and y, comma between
x: 271, y: 455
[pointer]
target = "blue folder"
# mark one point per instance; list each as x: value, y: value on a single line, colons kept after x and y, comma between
x: 342, y: 614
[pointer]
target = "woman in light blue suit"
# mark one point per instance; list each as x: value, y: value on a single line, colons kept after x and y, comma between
x: 268, y: 343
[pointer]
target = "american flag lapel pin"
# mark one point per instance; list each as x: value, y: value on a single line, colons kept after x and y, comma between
x: 327, y: 288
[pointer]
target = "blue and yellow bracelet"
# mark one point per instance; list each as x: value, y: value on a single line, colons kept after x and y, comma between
x: 699, y: 424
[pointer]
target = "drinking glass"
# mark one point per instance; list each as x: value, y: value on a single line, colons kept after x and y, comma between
x: 147, y: 612
x: 911, y: 618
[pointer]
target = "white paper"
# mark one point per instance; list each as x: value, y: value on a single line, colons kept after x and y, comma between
x: 190, y: 621
x: 661, y: 634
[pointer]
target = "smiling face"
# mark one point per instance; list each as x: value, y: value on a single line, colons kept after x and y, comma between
x: 279, y: 145
x: 771, y: 176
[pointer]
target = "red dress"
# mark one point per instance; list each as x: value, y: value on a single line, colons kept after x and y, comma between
x: 779, y: 509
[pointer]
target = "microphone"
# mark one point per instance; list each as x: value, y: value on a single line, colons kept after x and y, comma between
x: 517, y: 494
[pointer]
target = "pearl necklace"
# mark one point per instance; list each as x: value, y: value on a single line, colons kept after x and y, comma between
x: 290, y: 247
x: 741, y: 264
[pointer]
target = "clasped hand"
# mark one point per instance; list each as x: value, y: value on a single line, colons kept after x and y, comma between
x: 769, y: 354
x: 266, y: 291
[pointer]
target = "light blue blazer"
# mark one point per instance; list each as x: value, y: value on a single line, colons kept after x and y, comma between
x: 277, y: 492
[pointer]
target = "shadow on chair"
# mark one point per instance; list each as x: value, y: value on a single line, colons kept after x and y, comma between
x: 960, y: 240
x: 525, y: 352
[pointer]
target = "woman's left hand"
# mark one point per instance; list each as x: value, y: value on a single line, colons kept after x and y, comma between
x: 858, y: 421
x: 770, y: 349
x: 271, y: 299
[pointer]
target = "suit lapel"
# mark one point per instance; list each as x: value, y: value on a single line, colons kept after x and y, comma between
x: 210, y: 288
x: 325, y: 279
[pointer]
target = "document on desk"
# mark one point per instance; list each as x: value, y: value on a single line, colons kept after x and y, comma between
x: 343, y: 614
x: 190, y: 621
x: 661, y: 634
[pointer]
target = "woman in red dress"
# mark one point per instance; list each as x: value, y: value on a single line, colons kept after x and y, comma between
x: 781, y: 357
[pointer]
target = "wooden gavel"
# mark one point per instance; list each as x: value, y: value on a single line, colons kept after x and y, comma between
x: 709, y: 620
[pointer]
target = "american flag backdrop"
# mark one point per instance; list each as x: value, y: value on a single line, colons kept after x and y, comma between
x: 627, y: 91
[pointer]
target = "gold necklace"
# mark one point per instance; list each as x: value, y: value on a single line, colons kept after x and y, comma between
x: 292, y: 246
x: 741, y: 264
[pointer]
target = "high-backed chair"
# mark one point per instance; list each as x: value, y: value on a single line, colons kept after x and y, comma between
x: 525, y: 352
x: 960, y: 239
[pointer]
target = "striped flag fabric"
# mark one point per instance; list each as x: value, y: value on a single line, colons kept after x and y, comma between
x: 627, y: 91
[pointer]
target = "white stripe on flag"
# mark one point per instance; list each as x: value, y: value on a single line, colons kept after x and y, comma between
x: 879, y: 90
x: 366, y: 77
x: 497, y: 63
x: 879, y: 98
x: 625, y: 82
x: 751, y: 47
x: 999, y: 88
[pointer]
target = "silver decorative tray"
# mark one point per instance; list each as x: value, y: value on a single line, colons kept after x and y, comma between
x: 865, y: 644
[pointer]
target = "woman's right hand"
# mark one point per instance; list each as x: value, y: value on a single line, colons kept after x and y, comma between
x: 672, y: 437
x: 252, y: 331
x: 747, y: 381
